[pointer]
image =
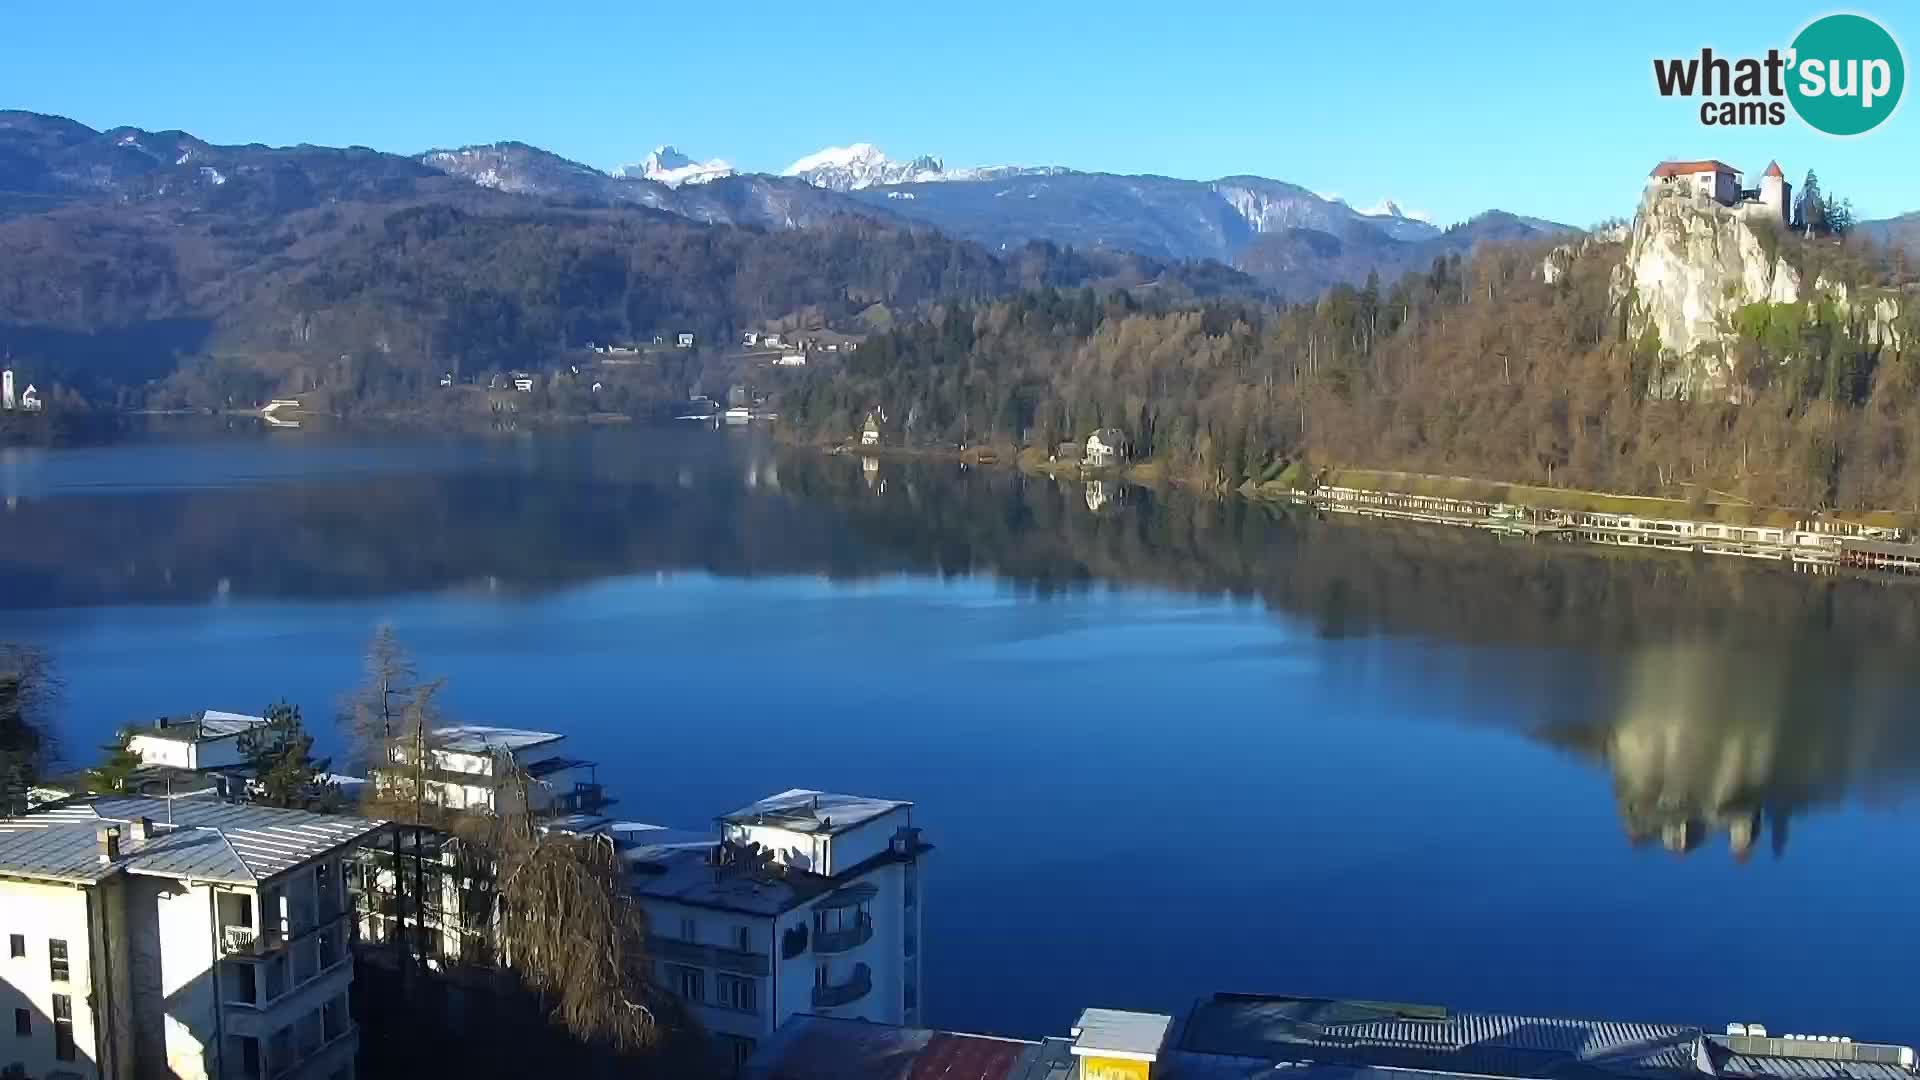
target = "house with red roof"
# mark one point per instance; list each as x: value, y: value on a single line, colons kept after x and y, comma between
x: 1719, y: 182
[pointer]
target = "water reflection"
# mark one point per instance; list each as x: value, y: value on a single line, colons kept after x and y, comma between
x: 1725, y: 699
x: 1703, y: 742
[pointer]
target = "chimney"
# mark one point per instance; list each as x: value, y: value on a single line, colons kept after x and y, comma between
x: 145, y: 831
x: 109, y: 837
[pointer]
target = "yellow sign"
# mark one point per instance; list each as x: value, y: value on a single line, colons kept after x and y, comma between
x: 1101, y: 1068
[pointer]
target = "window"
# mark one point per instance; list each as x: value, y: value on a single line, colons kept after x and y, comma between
x: 745, y: 939
x: 820, y: 976
x: 691, y: 982
x: 63, y: 1027
x: 249, y: 1057
x: 738, y: 1049
x: 57, y: 959
x: 738, y: 993
x: 689, y: 930
x: 22, y: 1022
x: 17, y: 945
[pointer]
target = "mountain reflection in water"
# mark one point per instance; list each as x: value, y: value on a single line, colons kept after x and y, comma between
x: 1722, y: 697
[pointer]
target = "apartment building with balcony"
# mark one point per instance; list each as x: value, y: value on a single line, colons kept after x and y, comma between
x: 472, y: 767
x: 803, y: 902
x: 191, y: 936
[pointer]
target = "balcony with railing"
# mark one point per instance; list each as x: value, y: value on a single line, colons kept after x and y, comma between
x: 676, y: 951
x: 859, y: 985
x: 844, y: 938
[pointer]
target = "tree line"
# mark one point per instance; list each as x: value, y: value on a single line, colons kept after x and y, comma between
x: 1476, y: 365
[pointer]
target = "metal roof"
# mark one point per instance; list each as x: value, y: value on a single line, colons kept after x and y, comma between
x: 1116, y: 1033
x: 804, y: 810
x: 1360, y: 1033
x: 199, y: 839
x: 211, y: 724
x: 480, y: 738
x: 1809, y: 1068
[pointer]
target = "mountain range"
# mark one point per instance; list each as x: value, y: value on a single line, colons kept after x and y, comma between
x: 126, y: 248
x: 1292, y: 240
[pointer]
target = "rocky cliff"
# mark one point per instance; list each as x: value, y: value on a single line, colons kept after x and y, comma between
x: 1690, y: 266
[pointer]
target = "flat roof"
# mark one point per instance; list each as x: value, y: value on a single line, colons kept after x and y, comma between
x: 207, y: 726
x: 1437, y: 1039
x: 194, y: 838
x: 804, y: 810
x: 480, y: 738
x: 679, y: 872
x: 1122, y: 1034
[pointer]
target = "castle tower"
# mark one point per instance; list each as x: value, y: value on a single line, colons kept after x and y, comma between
x: 1774, y: 191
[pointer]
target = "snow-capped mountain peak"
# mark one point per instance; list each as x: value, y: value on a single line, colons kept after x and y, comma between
x: 1389, y: 208
x: 669, y: 166
x: 862, y: 165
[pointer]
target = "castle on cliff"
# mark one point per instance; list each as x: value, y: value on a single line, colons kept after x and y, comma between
x: 1719, y: 182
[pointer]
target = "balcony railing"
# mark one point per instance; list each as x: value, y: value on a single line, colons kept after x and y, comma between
x: 855, y: 988
x: 583, y: 799
x: 235, y: 939
x: 839, y: 941
x: 676, y: 951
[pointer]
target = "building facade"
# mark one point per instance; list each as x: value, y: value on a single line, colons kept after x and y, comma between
x: 205, y: 938
x: 1107, y: 446
x: 804, y: 902
x: 208, y: 740
x: 476, y: 767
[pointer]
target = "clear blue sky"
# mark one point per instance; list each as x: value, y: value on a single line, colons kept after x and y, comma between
x: 1548, y: 114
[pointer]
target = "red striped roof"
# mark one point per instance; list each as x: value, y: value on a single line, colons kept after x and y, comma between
x: 1687, y: 168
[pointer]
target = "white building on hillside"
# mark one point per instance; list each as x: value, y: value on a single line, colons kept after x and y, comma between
x: 6, y: 389
x: 471, y: 767
x: 1107, y: 446
x: 804, y: 902
x: 189, y: 938
x: 209, y: 740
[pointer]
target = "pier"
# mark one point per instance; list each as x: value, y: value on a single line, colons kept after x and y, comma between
x: 1810, y: 543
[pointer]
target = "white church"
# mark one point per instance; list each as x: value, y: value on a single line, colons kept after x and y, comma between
x: 1719, y: 182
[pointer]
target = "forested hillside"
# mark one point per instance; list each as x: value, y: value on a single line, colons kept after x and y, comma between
x: 371, y: 303
x: 1477, y: 366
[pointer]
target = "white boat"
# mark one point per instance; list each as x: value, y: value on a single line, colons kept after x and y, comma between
x: 739, y: 414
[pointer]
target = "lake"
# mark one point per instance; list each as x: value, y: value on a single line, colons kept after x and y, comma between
x: 1164, y: 745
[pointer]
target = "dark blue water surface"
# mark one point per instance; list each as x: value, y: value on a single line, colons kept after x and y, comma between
x: 1171, y: 746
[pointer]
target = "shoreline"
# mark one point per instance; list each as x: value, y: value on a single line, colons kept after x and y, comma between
x: 1881, y: 542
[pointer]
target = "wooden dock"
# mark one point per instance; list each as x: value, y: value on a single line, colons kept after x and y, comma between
x: 1806, y: 544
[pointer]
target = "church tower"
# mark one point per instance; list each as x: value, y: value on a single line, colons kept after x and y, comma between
x: 1774, y: 191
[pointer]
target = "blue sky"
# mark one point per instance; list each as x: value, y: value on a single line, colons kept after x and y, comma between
x: 1446, y: 112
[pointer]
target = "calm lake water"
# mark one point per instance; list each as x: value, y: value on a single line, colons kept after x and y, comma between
x: 1165, y: 747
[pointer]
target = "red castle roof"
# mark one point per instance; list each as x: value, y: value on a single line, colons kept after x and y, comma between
x: 1687, y: 168
x: 1773, y: 169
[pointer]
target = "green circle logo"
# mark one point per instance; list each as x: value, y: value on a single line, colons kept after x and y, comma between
x: 1847, y: 74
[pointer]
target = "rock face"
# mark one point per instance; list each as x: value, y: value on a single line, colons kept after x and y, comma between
x: 1690, y: 266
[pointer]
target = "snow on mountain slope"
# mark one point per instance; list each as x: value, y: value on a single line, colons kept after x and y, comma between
x: 669, y: 166
x: 862, y: 165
